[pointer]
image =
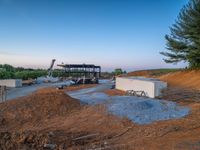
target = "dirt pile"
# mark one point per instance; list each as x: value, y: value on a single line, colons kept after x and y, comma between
x: 22, y: 140
x: 79, y: 87
x: 187, y: 79
x: 50, y: 119
x: 114, y: 92
x: 144, y: 73
x: 152, y: 73
x: 36, y: 109
x: 183, y: 78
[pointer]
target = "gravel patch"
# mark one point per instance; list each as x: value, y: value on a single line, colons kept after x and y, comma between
x: 139, y: 110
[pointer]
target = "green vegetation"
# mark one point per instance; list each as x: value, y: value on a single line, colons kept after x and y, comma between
x: 27, y: 74
x: 59, y: 73
x: 8, y: 72
x: 183, y: 43
x: 119, y: 71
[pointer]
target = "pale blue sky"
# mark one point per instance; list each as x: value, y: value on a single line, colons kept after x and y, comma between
x: 111, y: 33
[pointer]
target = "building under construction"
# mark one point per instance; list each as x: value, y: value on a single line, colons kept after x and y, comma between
x: 82, y: 73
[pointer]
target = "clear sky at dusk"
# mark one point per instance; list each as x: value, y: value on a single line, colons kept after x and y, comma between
x: 111, y: 33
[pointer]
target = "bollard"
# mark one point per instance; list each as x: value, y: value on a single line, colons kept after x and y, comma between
x: 2, y: 93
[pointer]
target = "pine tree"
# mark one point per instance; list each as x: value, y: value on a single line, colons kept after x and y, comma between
x: 183, y: 44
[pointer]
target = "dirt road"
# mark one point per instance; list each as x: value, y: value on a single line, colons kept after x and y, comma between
x: 13, y: 93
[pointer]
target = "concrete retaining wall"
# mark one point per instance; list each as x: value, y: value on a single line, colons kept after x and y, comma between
x: 11, y: 82
x: 151, y: 87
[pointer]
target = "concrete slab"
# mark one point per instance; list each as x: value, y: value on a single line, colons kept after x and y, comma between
x: 151, y: 87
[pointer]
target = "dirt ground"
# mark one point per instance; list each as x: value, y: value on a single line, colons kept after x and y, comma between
x: 78, y: 87
x: 182, y: 79
x: 113, y: 92
x: 49, y: 119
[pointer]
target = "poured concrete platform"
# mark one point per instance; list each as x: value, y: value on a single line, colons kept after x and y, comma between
x: 151, y: 87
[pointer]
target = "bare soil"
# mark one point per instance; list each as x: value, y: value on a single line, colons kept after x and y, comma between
x: 183, y: 79
x: 79, y: 87
x: 50, y: 119
x: 113, y: 92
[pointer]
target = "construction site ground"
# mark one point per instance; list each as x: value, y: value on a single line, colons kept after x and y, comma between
x: 50, y: 119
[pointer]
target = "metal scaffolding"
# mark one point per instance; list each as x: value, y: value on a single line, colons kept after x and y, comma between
x: 82, y: 70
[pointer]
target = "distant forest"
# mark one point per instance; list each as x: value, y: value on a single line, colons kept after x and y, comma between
x: 9, y: 72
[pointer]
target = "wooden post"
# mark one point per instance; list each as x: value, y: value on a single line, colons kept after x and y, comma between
x: 2, y: 93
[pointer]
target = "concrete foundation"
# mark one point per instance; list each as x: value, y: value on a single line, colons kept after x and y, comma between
x: 151, y: 87
x: 11, y: 83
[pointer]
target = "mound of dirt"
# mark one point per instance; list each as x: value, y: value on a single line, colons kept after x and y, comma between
x: 113, y: 92
x: 36, y: 109
x: 183, y: 78
x: 50, y: 119
x: 79, y: 87
x: 144, y: 73
x: 187, y: 79
x: 152, y: 73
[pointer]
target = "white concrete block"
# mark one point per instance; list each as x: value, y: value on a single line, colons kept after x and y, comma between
x: 11, y: 82
x: 151, y: 87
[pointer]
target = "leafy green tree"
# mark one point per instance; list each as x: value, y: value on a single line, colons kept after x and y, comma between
x: 26, y: 74
x: 183, y: 44
x: 7, y: 67
x: 118, y: 71
x: 19, y: 69
x: 6, y: 74
x: 58, y: 73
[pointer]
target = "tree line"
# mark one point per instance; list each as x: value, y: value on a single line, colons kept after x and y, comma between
x: 9, y: 72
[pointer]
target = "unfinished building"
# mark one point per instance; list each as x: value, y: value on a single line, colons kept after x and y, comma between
x: 82, y: 73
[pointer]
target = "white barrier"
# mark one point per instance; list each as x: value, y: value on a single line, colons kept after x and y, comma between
x: 11, y: 82
x: 151, y: 87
